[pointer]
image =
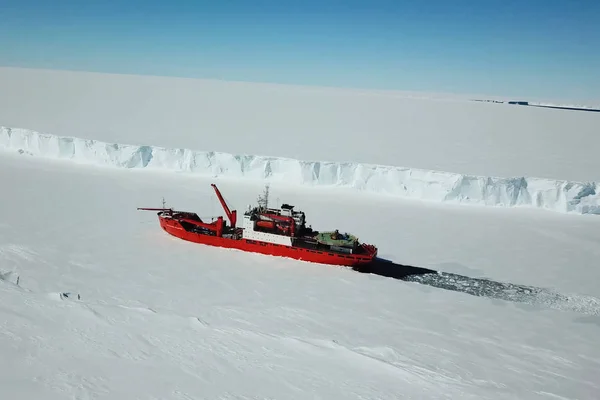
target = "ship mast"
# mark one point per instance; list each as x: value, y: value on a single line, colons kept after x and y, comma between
x: 263, y: 201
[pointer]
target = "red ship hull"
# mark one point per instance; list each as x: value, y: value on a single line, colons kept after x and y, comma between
x: 174, y: 228
x: 276, y: 232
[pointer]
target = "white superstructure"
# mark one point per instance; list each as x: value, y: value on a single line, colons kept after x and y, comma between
x: 251, y: 234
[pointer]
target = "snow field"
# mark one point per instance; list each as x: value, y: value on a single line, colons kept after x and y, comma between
x: 433, y: 186
x: 162, y: 318
x: 421, y: 131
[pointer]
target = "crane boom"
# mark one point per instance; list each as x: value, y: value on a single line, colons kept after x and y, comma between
x: 231, y: 215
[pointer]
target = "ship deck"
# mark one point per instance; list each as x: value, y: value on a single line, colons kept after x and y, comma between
x: 342, y: 239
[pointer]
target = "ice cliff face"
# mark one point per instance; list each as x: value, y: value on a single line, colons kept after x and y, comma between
x: 560, y: 196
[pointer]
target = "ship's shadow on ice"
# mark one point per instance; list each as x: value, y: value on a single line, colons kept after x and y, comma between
x: 390, y: 269
x: 482, y: 287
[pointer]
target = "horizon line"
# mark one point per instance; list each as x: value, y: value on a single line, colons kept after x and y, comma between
x: 353, y: 89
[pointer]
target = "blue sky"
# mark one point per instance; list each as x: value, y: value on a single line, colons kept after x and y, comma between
x: 527, y: 48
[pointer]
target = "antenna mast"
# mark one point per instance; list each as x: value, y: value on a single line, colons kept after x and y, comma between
x: 263, y: 201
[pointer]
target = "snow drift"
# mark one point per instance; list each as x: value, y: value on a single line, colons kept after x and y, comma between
x: 561, y: 196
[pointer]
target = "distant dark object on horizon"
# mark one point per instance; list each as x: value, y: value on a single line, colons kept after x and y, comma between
x: 566, y: 108
x: 526, y: 103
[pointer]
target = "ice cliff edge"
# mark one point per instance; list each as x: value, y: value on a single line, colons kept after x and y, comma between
x: 555, y: 195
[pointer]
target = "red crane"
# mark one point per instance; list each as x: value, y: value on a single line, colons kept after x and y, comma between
x: 231, y: 215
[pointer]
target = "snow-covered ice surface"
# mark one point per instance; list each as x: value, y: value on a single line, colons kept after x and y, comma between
x: 437, y: 186
x: 420, y: 131
x: 161, y: 318
x: 97, y: 302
